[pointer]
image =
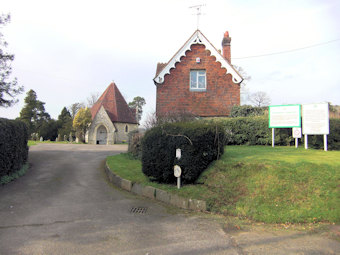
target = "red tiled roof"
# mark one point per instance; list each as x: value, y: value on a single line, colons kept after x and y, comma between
x: 115, y: 106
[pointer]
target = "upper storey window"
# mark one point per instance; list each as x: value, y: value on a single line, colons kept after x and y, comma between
x: 198, y: 81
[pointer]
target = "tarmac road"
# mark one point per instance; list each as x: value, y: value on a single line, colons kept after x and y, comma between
x: 64, y: 205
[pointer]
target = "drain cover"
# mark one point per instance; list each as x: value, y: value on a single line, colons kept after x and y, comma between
x: 138, y: 210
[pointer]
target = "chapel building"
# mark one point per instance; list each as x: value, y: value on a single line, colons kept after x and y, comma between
x: 112, y: 118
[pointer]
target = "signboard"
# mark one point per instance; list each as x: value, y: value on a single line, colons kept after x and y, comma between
x: 178, y: 153
x: 284, y: 116
x: 177, y: 171
x: 297, y: 133
x: 315, y: 119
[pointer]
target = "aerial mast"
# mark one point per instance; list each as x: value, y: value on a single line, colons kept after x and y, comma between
x: 198, y: 12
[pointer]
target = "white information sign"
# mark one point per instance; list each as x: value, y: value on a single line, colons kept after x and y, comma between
x: 178, y: 153
x: 284, y: 116
x: 297, y: 133
x: 315, y: 119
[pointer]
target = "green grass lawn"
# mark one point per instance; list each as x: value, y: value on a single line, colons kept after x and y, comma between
x: 273, y: 185
x: 31, y: 142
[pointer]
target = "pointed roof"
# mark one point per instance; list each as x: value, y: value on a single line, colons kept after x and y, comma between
x: 196, y: 38
x: 115, y: 106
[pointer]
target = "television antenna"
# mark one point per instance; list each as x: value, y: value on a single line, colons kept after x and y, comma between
x: 198, y: 12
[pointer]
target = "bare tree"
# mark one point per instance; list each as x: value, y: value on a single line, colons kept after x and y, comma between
x: 74, y: 108
x: 246, y: 78
x: 92, y: 99
x: 259, y: 98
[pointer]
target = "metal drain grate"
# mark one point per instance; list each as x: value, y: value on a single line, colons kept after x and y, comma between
x: 138, y: 210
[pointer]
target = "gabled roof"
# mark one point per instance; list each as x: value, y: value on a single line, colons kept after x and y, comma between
x: 115, y: 106
x: 196, y: 38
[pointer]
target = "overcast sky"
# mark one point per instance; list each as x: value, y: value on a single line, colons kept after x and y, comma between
x: 65, y: 50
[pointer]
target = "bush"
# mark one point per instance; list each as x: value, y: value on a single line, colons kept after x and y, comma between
x: 13, y: 146
x: 247, y: 111
x: 201, y: 143
x: 255, y: 131
x: 316, y: 141
x: 135, y: 144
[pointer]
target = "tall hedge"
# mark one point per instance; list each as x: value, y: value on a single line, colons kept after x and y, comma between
x: 200, y: 143
x: 333, y: 139
x: 13, y: 146
x: 255, y: 131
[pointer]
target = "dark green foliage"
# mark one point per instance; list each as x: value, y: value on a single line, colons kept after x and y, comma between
x: 255, y: 131
x: 316, y: 141
x: 9, y: 88
x: 247, y: 111
x: 135, y: 144
x: 201, y: 143
x: 64, y: 123
x: 33, y: 113
x: 49, y: 129
x: 13, y: 146
x: 246, y: 130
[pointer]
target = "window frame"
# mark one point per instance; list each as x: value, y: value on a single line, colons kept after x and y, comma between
x: 197, y: 80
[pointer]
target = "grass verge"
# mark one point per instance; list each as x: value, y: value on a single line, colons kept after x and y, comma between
x: 272, y: 185
x: 8, y: 178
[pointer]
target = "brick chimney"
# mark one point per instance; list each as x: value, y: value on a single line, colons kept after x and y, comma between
x: 226, y: 46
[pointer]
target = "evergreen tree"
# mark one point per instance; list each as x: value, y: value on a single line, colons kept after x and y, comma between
x: 137, y: 104
x: 64, y: 123
x: 8, y: 89
x: 33, y: 114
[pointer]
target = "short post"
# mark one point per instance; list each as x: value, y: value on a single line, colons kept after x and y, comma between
x: 306, y: 141
x: 296, y: 142
x: 325, y: 142
x: 273, y: 137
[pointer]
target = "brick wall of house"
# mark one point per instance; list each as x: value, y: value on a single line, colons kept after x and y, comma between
x: 174, y: 94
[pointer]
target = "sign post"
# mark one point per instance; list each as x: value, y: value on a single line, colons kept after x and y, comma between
x: 177, y: 168
x: 296, y: 134
x: 177, y: 173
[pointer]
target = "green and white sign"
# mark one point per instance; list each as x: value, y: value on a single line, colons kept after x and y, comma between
x: 285, y: 116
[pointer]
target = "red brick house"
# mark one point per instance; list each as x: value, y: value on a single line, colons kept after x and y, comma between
x: 198, y: 79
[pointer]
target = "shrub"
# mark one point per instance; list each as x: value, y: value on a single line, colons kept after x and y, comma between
x: 255, y: 131
x: 135, y: 144
x: 13, y: 146
x: 201, y: 143
x: 316, y: 141
x: 247, y: 111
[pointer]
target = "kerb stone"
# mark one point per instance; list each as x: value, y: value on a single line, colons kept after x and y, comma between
x: 149, y: 192
x: 179, y: 201
x: 137, y: 189
x: 162, y: 195
x: 126, y: 184
x: 197, y: 205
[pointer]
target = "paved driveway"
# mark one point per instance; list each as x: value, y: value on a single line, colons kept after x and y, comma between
x: 64, y: 205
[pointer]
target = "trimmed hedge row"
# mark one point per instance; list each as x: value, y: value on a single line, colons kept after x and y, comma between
x: 255, y: 131
x: 200, y: 143
x: 316, y: 141
x: 13, y: 146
